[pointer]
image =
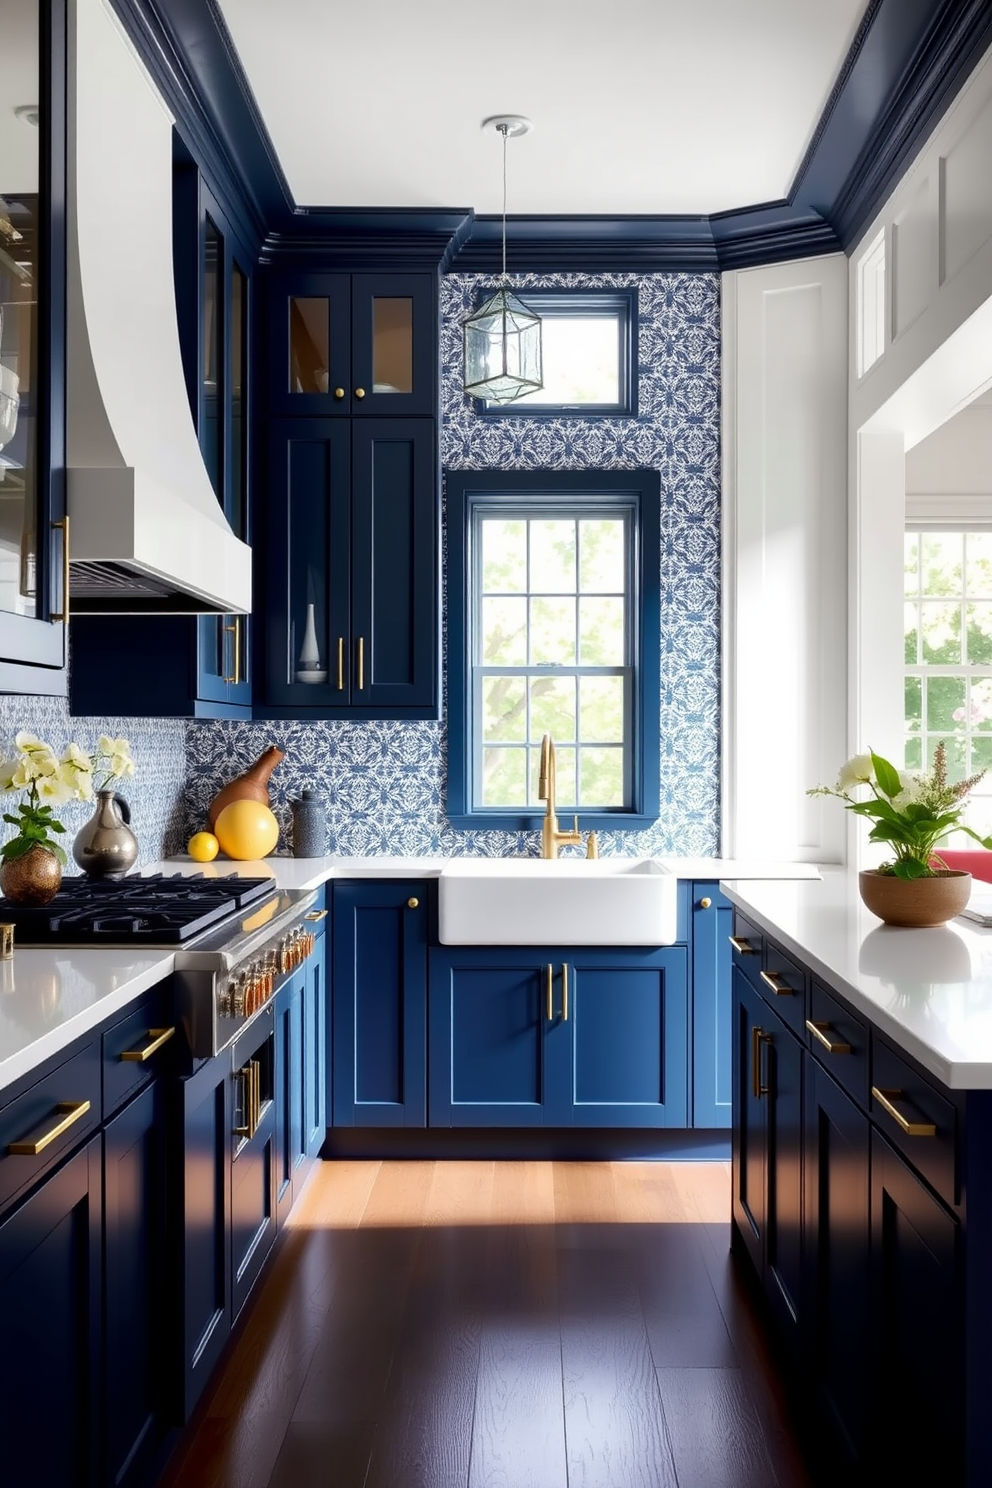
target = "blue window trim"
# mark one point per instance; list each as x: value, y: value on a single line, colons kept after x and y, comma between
x: 641, y: 489
x: 548, y: 302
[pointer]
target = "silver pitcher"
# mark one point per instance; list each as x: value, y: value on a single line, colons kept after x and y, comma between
x: 106, y: 847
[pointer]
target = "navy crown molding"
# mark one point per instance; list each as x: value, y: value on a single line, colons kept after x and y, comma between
x: 904, y: 65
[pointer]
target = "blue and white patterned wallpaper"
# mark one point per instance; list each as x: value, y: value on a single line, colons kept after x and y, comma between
x: 384, y: 783
x: 158, y: 747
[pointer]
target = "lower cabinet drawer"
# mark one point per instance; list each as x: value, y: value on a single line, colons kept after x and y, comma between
x: 839, y: 1040
x: 136, y: 1049
x: 45, y: 1122
x: 783, y: 983
x: 916, y: 1119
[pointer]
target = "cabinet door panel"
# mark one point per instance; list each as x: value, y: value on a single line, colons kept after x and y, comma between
x: 916, y: 1327
x: 836, y: 1232
x: 138, y: 1315
x: 628, y: 1038
x: 253, y: 1154
x: 288, y: 1091
x: 783, y: 1230
x: 379, y: 949
x: 309, y: 560
x: 749, y: 1138
x: 309, y: 345
x: 712, y: 1079
x: 314, y: 1052
x: 394, y: 526
x: 204, y: 1222
x: 50, y: 1304
x: 394, y: 345
x: 491, y: 1052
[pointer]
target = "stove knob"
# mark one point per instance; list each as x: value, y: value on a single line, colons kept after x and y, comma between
x: 224, y: 1002
x: 239, y: 991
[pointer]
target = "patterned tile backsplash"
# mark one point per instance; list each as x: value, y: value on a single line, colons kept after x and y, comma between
x: 384, y: 783
x: 158, y: 747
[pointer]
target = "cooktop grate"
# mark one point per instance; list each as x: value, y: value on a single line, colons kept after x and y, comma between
x: 161, y: 910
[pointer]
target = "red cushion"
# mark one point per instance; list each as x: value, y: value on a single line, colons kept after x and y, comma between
x: 976, y: 861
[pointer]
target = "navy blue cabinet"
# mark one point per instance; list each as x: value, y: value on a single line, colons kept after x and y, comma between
x: 558, y: 1037
x: 300, y: 1077
x: 352, y: 345
x: 767, y: 1150
x: 836, y: 1224
x: 379, y: 1001
x: 712, y: 1091
x: 203, y: 1222
x: 350, y: 594
x: 253, y: 1155
x: 138, y: 1313
x: 51, y: 1286
x: 314, y: 1053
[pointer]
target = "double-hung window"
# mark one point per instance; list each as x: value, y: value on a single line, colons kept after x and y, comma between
x: 553, y: 629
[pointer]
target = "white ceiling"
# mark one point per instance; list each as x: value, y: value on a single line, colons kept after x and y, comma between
x: 638, y: 106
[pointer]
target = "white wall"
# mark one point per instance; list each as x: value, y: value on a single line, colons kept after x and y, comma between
x: 785, y: 557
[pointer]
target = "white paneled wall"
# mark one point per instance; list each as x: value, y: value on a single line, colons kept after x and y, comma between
x: 785, y: 556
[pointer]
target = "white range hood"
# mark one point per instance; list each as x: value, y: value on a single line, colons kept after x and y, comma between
x: 148, y: 535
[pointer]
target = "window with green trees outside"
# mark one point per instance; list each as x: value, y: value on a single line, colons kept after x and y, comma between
x: 948, y: 652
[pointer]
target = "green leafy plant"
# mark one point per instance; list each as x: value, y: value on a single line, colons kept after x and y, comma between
x: 912, y: 813
x: 47, y: 781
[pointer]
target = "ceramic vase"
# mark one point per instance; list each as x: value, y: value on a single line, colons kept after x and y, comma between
x: 915, y: 902
x: 253, y: 785
x: 309, y: 668
x: 33, y: 879
x: 309, y: 826
x: 106, y: 847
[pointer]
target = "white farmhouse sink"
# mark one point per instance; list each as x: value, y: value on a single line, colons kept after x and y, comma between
x: 564, y: 901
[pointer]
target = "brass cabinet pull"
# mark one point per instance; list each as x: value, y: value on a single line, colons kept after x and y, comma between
x: 359, y: 392
x: 340, y: 663
x: 758, y: 1037
x: 250, y: 1080
x: 72, y: 1111
x: 61, y: 617
x: 564, y: 992
x: 820, y: 1031
x: 361, y: 663
x: 886, y: 1099
x: 316, y: 914
x: 705, y: 903
x: 235, y: 630
x: 742, y: 947
x: 158, y: 1036
x: 778, y: 986
x: 551, y: 987
x: 339, y: 393
x: 413, y: 904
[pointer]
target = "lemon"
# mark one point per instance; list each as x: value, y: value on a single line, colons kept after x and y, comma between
x: 203, y: 847
x: 246, y: 829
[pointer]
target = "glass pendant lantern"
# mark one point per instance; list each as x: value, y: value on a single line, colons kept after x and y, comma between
x: 502, y: 339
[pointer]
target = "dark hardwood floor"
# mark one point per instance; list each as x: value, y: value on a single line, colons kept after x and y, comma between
x: 499, y: 1325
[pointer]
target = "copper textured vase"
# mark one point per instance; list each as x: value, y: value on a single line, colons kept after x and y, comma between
x: 106, y: 847
x: 253, y: 785
x: 32, y: 879
x: 915, y: 902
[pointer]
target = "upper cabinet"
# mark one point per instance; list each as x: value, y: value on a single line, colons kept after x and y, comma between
x: 353, y: 345
x: 33, y: 540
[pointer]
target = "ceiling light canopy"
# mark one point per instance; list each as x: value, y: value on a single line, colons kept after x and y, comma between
x: 502, y: 338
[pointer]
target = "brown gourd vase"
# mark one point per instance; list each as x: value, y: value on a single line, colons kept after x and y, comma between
x: 915, y: 902
x: 33, y: 879
x: 253, y: 785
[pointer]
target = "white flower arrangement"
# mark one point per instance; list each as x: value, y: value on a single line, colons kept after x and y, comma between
x: 50, y: 781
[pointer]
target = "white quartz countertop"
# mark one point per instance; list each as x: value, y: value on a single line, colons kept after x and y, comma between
x: 310, y: 873
x: 48, y: 998
x: 930, y: 990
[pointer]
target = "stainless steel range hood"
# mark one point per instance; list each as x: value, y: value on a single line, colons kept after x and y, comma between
x: 148, y: 535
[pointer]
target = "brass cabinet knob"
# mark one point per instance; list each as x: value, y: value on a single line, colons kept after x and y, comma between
x: 339, y: 393
x: 705, y: 903
x: 413, y: 904
x: 359, y: 392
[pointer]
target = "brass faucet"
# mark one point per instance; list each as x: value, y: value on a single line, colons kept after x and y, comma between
x: 551, y: 838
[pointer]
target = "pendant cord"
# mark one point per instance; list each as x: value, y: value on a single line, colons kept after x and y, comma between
x: 503, y: 129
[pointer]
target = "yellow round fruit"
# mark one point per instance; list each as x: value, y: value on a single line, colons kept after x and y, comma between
x: 246, y: 829
x: 203, y: 847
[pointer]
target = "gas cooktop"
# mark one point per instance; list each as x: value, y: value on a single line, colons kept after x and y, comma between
x: 161, y: 910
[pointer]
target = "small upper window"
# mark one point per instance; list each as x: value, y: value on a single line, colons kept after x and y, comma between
x: 588, y: 348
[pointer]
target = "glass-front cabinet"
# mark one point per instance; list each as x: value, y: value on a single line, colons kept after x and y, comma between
x: 353, y: 345
x: 33, y: 539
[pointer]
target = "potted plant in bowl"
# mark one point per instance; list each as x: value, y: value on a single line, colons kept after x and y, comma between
x: 31, y: 861
x: 911, y: 814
